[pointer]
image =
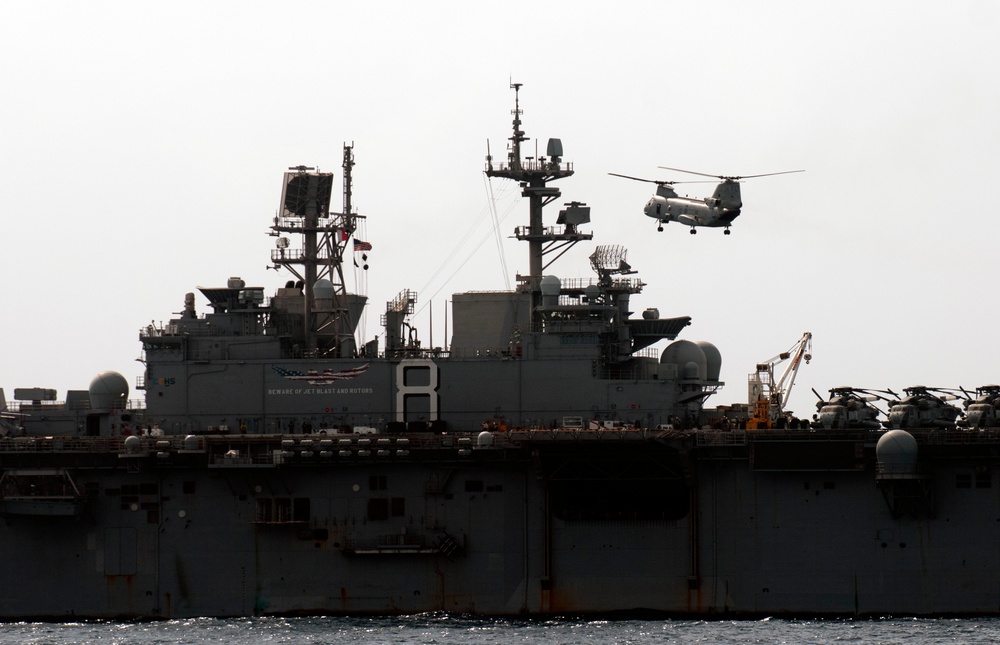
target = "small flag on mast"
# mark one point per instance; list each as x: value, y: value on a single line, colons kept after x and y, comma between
x: 361, y: 246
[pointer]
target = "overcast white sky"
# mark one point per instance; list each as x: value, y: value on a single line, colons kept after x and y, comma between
x: 142, y: 147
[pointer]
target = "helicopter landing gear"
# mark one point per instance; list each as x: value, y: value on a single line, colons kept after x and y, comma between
x: 659, y: 229
x: 694, y: 231
x: 726, y: 231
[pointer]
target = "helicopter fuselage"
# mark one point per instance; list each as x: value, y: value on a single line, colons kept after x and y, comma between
x: 716, y: 211
x: 690, y: 211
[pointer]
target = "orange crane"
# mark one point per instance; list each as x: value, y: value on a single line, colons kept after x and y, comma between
x: 767, y: 397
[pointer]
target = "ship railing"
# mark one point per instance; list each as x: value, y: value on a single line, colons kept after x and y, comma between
x: 30, y: 407
x: 739, y: 437
x: 622, y: 432
x: 567, y: 232
x: 576, y: 284
x: 870, y: 437
x: 329, y: 224
x: 298, y: 255
x: 498, y: 352
x: 955, y: 436
x: 618, y: 284
x: 60, y: 444
x: 533, y: 165
x: 169, y: 330
x: 150, y: 331
x: 720, y: 438
x: 300, y: 449
x: 888, y: 471
x: 51, y: 444
x: 508, y: 352
x: 802, y: 434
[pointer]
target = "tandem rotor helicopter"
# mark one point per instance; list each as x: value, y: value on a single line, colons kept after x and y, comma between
x: 716, y: 211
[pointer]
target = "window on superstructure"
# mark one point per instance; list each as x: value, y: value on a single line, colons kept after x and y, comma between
x: 378, y: 509
x: 282, y: 510
x: 265, y: 509
x: 377, y: 482
x: 382, y: 508
x: 300, y: 509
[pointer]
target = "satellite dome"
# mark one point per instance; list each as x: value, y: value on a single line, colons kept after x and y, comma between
x: 550, y: 285
x: 688, y: 357
x: 713, y: 358
x: 132, y: 444
x: 108, y: 390
x: 323, y: 289
x: 896, y: 452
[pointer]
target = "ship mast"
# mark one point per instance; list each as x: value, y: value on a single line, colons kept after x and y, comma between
x: 534, y: 175
x: 328, y: 328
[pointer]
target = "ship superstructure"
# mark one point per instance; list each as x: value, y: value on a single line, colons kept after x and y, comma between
x: 291, y: 363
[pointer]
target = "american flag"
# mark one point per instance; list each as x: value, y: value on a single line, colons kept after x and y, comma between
x: 362, y: 246
x: 313, y: 377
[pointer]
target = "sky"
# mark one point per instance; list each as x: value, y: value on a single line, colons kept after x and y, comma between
x: 142, y: 147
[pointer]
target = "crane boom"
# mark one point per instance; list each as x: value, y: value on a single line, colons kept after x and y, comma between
x: 767, y: 397
x: 800, y: 350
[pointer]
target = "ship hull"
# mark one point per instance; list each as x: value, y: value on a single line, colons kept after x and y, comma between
x: 546, y: 523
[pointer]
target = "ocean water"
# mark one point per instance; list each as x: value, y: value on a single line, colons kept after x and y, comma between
x: 438, y: 629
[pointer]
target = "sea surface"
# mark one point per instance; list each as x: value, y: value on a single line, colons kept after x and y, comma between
x: 439, y: 629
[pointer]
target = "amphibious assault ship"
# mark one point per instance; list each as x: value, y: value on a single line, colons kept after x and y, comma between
x: 547, y: 460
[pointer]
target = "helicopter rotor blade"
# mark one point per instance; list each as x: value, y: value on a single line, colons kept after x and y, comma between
x: 733, y: 177
x: 658, y: 182
x: 651, y: 181
x: 769, y: 174
x: 691, y: 172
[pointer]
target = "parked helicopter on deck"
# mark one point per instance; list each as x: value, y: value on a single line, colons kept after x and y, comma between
x: 717, y: 211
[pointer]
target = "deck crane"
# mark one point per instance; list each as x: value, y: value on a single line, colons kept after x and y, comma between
x: 767, y: 397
